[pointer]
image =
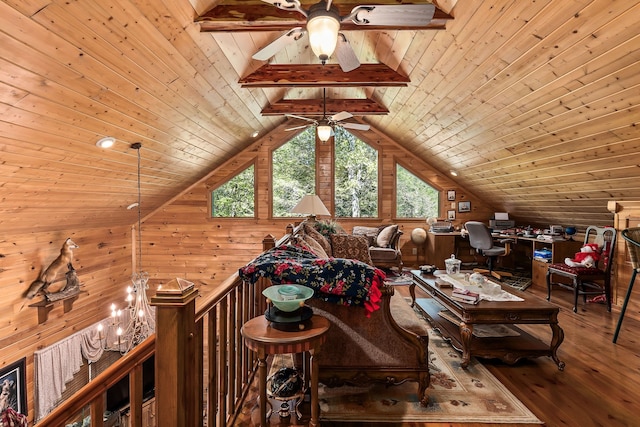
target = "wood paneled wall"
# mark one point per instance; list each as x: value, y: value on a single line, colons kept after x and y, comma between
x: 181, y: 240
x: 103, y: 264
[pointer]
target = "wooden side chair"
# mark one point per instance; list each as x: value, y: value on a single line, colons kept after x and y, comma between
x: 632, y: 237
x: 593, y: 280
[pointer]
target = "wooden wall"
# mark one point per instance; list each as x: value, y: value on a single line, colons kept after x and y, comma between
x: 103, y: 264
x: 181, y: 240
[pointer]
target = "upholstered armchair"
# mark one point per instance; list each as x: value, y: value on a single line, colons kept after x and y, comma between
x: 384, y: 245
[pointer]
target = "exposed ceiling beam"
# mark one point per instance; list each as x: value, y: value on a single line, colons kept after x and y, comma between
x: 318, y: 75
x: 246, y: 16
x: 314, y: 107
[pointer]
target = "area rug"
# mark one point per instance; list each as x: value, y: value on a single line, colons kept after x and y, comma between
x: 456, y: 395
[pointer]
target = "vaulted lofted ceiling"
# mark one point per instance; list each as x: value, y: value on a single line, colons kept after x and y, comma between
x: 533, y: 103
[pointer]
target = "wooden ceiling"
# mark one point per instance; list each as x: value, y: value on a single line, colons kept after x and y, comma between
x: 533, y: 103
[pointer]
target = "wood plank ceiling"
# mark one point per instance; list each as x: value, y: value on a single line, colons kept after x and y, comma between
x: 533, y: 103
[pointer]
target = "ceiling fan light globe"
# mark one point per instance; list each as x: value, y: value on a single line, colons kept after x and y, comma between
x: 324, y: 132
x: 323, y: 26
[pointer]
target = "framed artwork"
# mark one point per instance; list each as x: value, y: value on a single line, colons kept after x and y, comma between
x: 451, y: 214
x: 12, y: 381
x: 464, y: 206
x: 451, y: 195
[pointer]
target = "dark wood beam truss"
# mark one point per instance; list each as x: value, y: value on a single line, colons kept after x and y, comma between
x: 259, y: 16
x: 318, y: 75
x: 314, y: 107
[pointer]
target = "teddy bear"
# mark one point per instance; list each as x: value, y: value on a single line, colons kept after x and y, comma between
x: 587, y: 257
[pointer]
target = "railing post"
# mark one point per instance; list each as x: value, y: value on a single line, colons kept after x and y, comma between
x: 177, y: 394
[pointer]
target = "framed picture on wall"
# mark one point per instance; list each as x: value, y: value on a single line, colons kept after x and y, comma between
x: 451, y: 195
x: 464, y: 206
x: 451, y: 215
x: 12, y: 380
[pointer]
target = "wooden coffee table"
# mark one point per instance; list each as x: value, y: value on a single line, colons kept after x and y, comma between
x: 509, y: 349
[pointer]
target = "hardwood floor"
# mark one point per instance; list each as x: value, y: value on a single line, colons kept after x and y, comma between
x: 600, y: 385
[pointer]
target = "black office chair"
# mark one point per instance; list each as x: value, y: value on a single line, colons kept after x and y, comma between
x: 481, y: 240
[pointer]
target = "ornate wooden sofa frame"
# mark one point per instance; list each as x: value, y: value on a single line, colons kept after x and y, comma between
x: 389, y: 347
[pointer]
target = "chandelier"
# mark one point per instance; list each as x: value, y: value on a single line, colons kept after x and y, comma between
x: 130, y: 326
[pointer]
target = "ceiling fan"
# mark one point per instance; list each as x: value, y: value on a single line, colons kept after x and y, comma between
x: 323, y: 26
x: 325, y: 125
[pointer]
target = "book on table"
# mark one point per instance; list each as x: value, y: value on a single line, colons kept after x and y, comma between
x: 465, y: 295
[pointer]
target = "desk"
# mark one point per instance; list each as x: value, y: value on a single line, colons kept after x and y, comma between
x: 261, y: 338
x: 440, y: 246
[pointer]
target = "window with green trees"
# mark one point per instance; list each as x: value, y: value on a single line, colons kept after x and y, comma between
x: 294, y: 171
x: 235, y: 198
x: 356, y: 176
x: 415, y: 198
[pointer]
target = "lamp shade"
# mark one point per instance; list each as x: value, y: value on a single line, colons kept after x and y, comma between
x: 324, y: 132
x: 323, y: 26
x: 311, y: 205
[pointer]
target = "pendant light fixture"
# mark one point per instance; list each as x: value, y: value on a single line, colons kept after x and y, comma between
x: 133, y: 324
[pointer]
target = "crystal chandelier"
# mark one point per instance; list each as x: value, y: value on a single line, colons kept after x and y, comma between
x: 136, y: 321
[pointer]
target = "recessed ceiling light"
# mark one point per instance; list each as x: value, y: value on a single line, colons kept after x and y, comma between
x: 454, y: 173
x: 106, y: 142
x: 255, y: 134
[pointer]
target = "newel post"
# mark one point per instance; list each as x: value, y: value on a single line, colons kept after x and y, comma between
x: 177, y: 392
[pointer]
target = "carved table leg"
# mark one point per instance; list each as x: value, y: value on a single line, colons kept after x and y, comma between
x: 466, y: 333
x: 556, y: 340
x: 262, y: 380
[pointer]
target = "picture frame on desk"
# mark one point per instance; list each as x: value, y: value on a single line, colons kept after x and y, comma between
x: 451, y: 214
x: 451, y: 195
x: 464, y: 206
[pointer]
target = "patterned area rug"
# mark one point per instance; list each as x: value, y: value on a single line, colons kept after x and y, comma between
x: 456, y: 396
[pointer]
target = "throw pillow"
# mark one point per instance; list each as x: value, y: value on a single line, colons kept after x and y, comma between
x: 351, y: 247
x: 315, y: 246
x: 311, y: 231
x: 369, y: 232
x: 386, y: 236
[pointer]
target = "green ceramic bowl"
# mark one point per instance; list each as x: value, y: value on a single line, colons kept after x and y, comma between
x: 288, y: 297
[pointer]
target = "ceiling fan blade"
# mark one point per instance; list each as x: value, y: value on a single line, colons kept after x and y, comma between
x: 404, y: 15
x: 301, y: 118
x: 287, y: 5
x: 346, y: 56
x: 278, y: 44
x: 341, y: 116
x: 297, y: 127
x: 356, y: 126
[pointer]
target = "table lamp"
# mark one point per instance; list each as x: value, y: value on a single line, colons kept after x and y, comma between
x: 311, y: 205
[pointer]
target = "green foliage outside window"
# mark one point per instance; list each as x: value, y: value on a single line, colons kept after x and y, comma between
x: 294, y: 172
x: 356, y: 176
x: 415, y: 198
x: 235, y: 198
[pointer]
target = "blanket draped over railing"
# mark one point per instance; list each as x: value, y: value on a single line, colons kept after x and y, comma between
x: 337, y: 280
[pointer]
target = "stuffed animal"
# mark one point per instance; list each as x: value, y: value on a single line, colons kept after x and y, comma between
x: 587, y: 257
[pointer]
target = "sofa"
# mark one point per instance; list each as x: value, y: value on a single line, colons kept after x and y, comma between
x: 380, y: 341
x: 376, y: 246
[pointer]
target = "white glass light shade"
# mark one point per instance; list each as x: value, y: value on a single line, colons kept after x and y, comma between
x: 311, y: 205
x: 324, y: 132
x: 106, y: 142
x: 323, y: 26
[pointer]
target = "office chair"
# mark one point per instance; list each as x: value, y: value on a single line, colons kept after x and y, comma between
x: 481, y: 240
x: 632, y: 236
x: 594, y: 280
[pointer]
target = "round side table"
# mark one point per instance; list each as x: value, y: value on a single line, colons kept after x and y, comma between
x: 263, y: 339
